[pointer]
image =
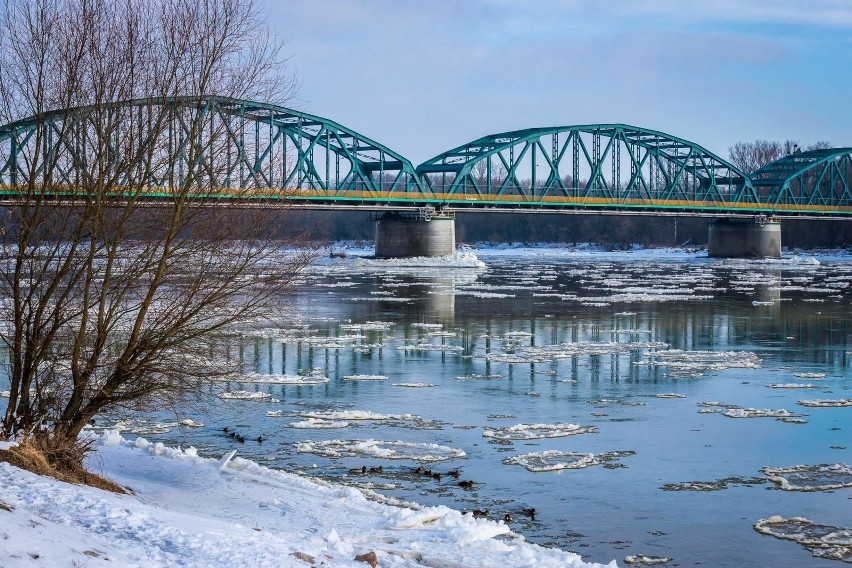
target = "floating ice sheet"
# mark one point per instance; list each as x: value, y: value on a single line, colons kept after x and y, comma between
x: 458, y: 260
x: 692, y: 364
x: 759, y: 413
x: 822, y: 541
x: 365, y: 378
x: 244, y: 395
x: 319, y: 423
x: 368, y: 326
x: 537, y: 431
x: 826, y: 403
x: 554, y: 460
x: 424, y: 347
x: 718, y: 485
x: 257, y: 378
x: 643, y: 560
x: 394, y: 450
x: 479, y: 377
x: 823, y: 477
x: 358, y: 415
x: 550, y: 353
x: 809, y: 375
x: 413, y: 385
x: 792, y: 386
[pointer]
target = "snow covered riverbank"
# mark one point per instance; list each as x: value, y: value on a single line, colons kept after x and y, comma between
x: 186, y: 510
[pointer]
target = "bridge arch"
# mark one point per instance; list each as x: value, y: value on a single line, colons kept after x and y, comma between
x: 276, y: 151
x: 814, y: 181
x: 587, y: 166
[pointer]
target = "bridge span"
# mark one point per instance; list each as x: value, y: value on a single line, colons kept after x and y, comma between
x: 216, y: 150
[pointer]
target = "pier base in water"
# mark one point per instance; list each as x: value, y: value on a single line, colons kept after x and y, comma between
x: 746, y: 238
x: 425, y: 234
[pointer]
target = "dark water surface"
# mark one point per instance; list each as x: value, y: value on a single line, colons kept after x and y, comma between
x: 556, y: 338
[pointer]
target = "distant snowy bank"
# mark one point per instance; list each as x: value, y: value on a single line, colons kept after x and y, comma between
x: 467, y: 255
x: 187, y: 510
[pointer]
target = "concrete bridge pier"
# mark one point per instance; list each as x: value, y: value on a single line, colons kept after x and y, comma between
x: 426, y: 233
x: 759, y: 237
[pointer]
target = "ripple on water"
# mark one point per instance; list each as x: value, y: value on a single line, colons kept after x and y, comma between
x: 822, y: 541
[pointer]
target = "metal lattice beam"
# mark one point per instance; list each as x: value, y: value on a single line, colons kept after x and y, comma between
x: 601, y: 165
x: 236, y: 144
x: 817, y: 179
x: 238, y: 149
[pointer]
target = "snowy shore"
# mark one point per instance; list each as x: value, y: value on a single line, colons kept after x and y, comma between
x: 186, y: 510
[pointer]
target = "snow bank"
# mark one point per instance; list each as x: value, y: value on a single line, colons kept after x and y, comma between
x: 192, y: 511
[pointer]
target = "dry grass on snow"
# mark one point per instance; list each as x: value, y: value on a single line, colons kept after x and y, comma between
x: 64, y: 463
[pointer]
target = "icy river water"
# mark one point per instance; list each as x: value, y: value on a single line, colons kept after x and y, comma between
x: 651, y: 403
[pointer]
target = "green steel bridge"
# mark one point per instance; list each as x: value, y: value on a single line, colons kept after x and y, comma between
x: 246, y: 153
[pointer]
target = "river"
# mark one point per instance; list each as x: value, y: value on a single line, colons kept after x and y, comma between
x: 632, y: 399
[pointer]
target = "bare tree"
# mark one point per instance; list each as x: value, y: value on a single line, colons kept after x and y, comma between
x: 751, y: 156
x: 110, y: 300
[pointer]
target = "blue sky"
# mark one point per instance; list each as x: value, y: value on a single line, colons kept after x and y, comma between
x: 425, y: 76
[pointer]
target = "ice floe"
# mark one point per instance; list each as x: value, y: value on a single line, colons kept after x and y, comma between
x: 718, y: 485
x: 258, y: 378
x: 643, y: 560
x: 792, y: 386
x: 670, y: 395
x: 368, y: 326
x: 809, y: 375
x: 822, y: 541
x: 550, y: 353
x: 395, y: 450
x: 479, y: 377
x: 244, y: 395
x: 692, y: 364
x: 413, y: 385
x: 365, y: 378
x: 826, y: 403
x: 426, y: 347
x: 319, y: 423
x: 734, y: 411
x: 823, y: 477
x: 554, y: 460
x: 537, y: 431
x: 140, y: 426
x: 759, y: 413
x: 458, y: 260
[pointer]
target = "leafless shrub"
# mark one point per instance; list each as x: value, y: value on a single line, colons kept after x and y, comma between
x: 106, y: 300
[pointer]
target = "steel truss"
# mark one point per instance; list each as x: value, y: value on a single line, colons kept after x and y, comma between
x: 242, y: 150
x: 231, y: 147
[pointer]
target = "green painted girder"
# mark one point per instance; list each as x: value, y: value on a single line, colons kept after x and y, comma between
x: 360, y: 158
x: 816, y: 177
x: 693, y: 169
